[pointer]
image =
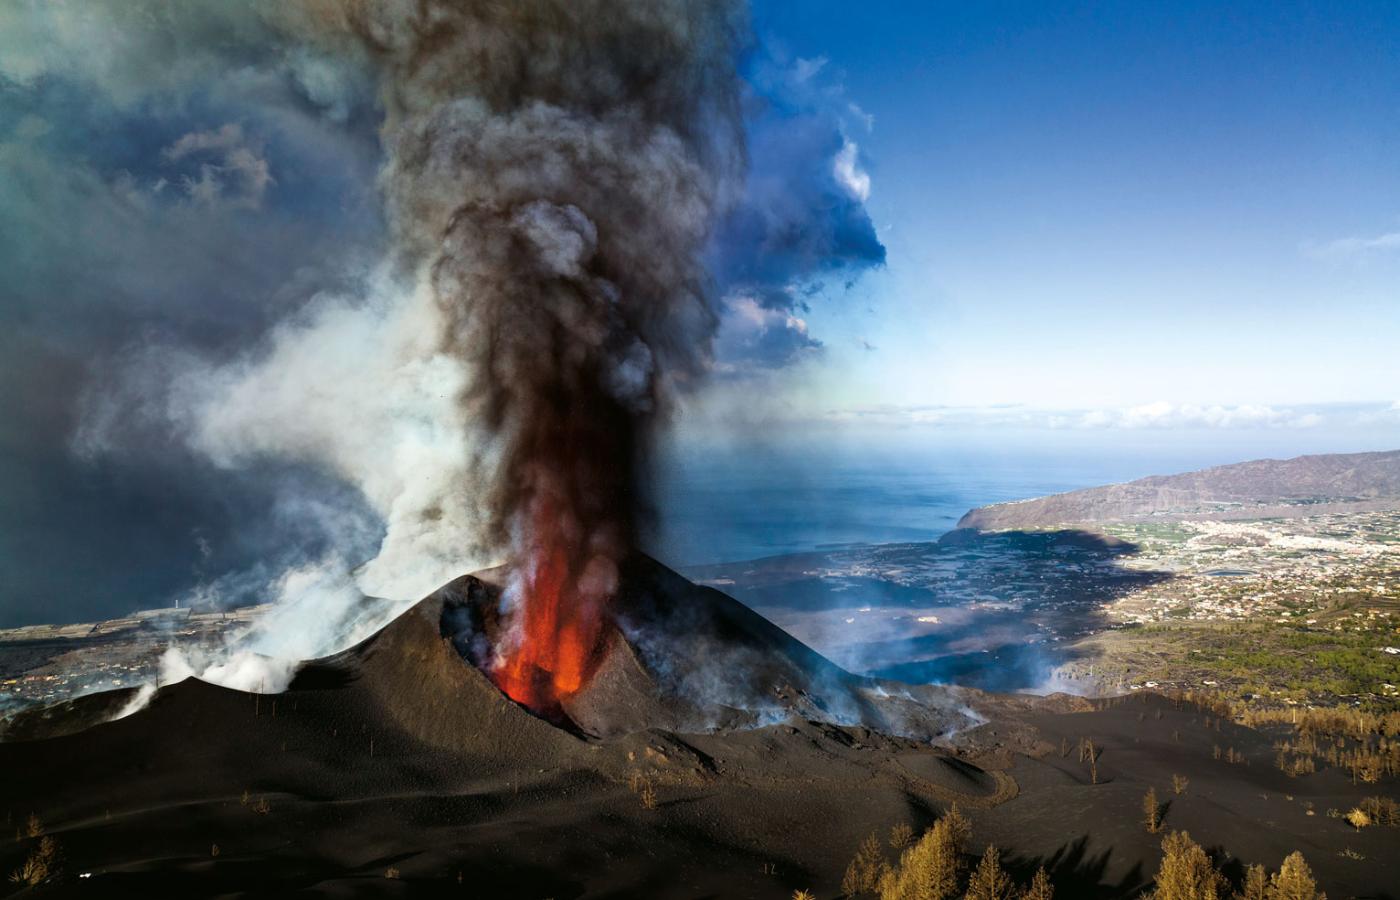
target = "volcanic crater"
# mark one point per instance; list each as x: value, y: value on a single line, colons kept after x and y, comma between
x: 684, y: 657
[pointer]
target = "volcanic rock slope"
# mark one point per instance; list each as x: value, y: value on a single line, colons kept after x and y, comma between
x: 1344, y: 482
x: 397, y: 768
x: 684, y: 657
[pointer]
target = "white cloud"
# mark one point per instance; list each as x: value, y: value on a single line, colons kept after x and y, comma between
x: 1159, y: 414
x: 224, y: 139
x: 807, y: 69
x: 239, y: 179
x: 756, y: 336
x: 860, y: 115
x: 129, y: 51
x: 1162, y: 414
x: 1382, y: 414
x: 1356, y: 246
x: 849, y: 173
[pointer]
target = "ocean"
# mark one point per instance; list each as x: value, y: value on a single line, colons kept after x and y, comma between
x: 730, y: 504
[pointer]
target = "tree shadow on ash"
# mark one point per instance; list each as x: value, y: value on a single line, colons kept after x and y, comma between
x: 1075, y: 872
x: 1031, y: 594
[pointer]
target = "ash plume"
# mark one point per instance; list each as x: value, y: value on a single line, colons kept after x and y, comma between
x: 558, y: 168
x: 458, y: 364
x: 555, y: 169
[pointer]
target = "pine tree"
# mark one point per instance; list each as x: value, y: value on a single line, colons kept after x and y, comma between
x: 1152, y: 811
x: 1186, y: 872
x: 863, y: 873
x: 1294, y: 881
x: 959, y: 828
x: 932, y: 868
x: 989, y: 881
x: 1256, y: 884
x: 1040, y: 888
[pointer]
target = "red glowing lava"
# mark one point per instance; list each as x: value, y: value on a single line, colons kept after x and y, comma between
x: 557, y: 627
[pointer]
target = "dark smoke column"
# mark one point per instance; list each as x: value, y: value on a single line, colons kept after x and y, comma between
x: 556, y: 167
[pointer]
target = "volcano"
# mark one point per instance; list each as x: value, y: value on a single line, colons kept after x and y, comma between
x: 407, y: 734
x: 673, y: 655
x: 708, y: 755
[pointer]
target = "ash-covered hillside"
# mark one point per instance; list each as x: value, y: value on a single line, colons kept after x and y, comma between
x: 1304, y: 485
x: 397, y: 768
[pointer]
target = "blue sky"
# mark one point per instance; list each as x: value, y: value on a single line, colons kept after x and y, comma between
x: 1117, y: 205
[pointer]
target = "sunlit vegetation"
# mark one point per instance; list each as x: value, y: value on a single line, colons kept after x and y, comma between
x: 1364, y: 743
x: 641, y: 785
x: 989, y: 881
x: 1264, y: 660
x: 864, y: 870
x: 42, y: 862
x: 932, y: 868
x: 1294, y: 881
x: 1368, y: 764
x: 40, y: 865
x: 1151, y: 811
x: 1296, y: 765
x: 1302, y: 664
x: 1230, y: 755
x: 1039, y: 888
x: 1382, y: 810
x: 901, y: 836
x: 1353, y: 723
x: 1256, y: 884
x: 1188, y: 873
x: 936, y: 866
x: 1088, y: 753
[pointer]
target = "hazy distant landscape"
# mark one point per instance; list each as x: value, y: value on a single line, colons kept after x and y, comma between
x: 1274, y: 580
x: 1251, y: 583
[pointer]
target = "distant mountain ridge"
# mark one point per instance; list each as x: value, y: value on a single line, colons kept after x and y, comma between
x: 1330, y: 483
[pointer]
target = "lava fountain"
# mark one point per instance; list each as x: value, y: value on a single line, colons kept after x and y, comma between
x: 560, y: 606
x: 573, y: 468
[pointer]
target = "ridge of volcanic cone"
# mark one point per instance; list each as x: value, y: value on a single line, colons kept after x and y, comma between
x: 685, y: 657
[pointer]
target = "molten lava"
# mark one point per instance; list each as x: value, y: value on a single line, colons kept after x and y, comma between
x: 558, y: 622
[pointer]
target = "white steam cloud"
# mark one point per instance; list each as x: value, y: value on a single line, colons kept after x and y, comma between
x: 360, y: 387
x: 553, y: 172
x: 356, y: 385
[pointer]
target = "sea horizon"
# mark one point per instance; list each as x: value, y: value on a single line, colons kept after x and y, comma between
x: 739, y: 502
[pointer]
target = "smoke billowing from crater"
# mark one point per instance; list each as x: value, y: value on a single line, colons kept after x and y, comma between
x: 463, y: 363
x: 555, y: 170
